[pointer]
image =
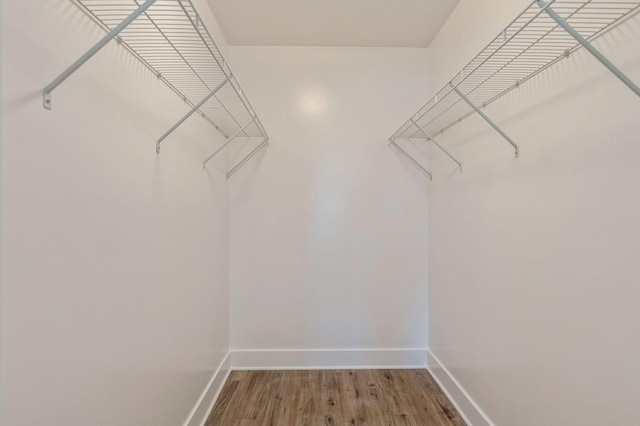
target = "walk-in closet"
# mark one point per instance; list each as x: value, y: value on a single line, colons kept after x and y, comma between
x: 304, y: 213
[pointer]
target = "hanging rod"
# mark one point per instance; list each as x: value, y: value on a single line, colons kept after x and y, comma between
x: 170, y: 39
x: 545, y: 33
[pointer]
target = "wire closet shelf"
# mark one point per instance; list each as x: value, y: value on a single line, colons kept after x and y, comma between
x: 169, y: 38
x: 545, y: 33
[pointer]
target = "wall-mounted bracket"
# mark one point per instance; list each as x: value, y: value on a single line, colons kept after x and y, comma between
x: 231, y: 138
x: 46, y: 93
x: 585, y: 43
x: 187, y: 115
x: 410, y: 158
x: 46, y: 99
x: 247, y: 158
x: 430, y: 138
x: 486, y: 118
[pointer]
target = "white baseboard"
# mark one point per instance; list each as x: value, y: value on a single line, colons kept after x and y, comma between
x: 204, y: 405
x: 318, y: 359
x: 459, y: 397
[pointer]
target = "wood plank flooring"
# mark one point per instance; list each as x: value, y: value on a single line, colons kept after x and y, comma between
x: 332, y: 397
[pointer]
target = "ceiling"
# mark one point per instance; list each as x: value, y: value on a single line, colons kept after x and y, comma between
x: 363, y: 23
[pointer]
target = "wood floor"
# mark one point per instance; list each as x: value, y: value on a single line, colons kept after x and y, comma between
x: 332, y: 397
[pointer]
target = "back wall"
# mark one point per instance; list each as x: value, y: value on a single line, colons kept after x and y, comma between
x: 328, y: 229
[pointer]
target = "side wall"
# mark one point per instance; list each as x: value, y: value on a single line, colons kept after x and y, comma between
x: 533, y: 266
x: 328, y: 230
x: 114, y: 269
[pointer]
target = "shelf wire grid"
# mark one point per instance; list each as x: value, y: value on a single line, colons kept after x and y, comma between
x: 170, y: 40
x: 527, y: 46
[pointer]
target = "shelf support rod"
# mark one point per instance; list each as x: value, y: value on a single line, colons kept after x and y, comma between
x: 46, y: 93
x: 231, y: 138
x: 410, y: 158
x: 486, y: 118
x: 187, y: 115
x: 430, y: 138
x: 585, y: 43
x: 247, y: 158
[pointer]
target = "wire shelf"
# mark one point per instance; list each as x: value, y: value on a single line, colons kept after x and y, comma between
x: 530, y: 44
x: 168, y: 37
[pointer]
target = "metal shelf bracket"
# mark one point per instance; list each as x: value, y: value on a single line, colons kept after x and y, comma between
x: 231, y: 138
x: 410, y: 158
x: 486, y: 118
x: 585, y: 43
x: 187, y: 115
x: 247, y: 158
x: 46, y: 93
x: 429, y: 138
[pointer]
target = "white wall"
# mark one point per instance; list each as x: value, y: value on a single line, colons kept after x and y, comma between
x: 328, y: 231
x: 533, y: 269
x: 114, y: 278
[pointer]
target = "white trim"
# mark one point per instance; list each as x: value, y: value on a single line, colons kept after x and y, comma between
x: 215, y: 397
x: 209, y: 395
x: 322, y: 359
x: 468, y: 409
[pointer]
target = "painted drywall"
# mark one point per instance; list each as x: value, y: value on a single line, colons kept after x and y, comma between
x: 328, y: 230
x: 114, y: 279
x: 356, y: 23
x: 533, y: 271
